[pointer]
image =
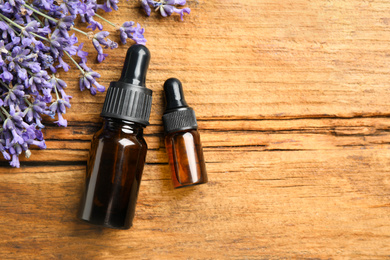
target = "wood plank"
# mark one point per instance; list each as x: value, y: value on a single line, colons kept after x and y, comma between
x: 67, y: 145
x: 267, y: 207
x: 257, y: 59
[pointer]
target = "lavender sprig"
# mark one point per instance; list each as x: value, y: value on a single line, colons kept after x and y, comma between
x: 166, y: 7
x: 35, y: 44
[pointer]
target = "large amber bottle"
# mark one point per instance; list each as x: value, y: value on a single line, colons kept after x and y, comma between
x: 118, y: 150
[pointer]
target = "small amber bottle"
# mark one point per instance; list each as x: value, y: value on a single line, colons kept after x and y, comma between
x: 182, y: 140
x: 117, y: 156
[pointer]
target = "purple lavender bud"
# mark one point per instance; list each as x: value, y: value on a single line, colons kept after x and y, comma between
x: 82, y: 54
x: 38, y: 134
x: 16, y: 4
x: 72, y: 7
x: 46, y: 95
x: 44, y: 31
x: 5, y: 155
x: 110, y: 5
x: 62, y: 64
x: 11, y: 149
x: 43, y: 4
x: 6, y: 30
x: 40, y: 144
x: 26, y: 42
x: 111, y: 44
x: 94, y: 24
x: 45, y: 60
x: 28, y: 115
x: 90, y: 8
x: 17, y: 138
x: 146, y: 7
x: 166, y: 7
x: 176, y: 2
x: 30, y: 27
x: 166, y: 10
x: 135, y: 33
x: 6, y: 7
x: 59, y: 107
x: 6, y: 76
x: 99, y: 40
x: 128, y: 24
x: 15, y: 161
x: 88, y: 81
x: 138, y: 35
x: 123, y: 35
x: 8, y: 124
x: 61, y: 121
x: 182, y: 12
x: 57, y: 43
x: 18, y: 149
x: 101, y: 57
x: 65, y: 24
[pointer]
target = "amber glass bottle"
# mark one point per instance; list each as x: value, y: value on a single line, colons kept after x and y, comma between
x: 182, y: 140
x: 118, y: 150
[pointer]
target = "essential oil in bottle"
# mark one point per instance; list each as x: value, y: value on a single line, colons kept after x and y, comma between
x: 182, y: 140
x: 117, y: 156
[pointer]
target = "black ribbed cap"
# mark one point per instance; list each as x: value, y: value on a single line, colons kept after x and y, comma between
x: 129, y: 99
x: 178, y: 115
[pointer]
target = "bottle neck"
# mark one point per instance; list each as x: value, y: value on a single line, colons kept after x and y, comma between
x: 117, y: 125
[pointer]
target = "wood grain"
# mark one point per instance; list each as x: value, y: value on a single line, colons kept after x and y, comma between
x: 292, y: 103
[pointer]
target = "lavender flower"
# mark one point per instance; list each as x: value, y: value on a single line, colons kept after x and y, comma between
x: 35, y: 40
x: 166, y: 7
x: 88, y: 81
x: 135, y: 33
x: 99, y: 41
x: 59, y: 107
x: 146, y: 6
x: 110, y: 5
x: 94, y: 24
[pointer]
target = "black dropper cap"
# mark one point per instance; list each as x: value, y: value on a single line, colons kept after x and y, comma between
x: 129, y: 99
x: 178, y: 116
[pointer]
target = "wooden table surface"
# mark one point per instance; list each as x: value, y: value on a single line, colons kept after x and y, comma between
x: 292, y: 99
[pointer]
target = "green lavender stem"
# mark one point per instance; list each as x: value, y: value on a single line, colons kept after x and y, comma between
x: 75, y: 62
x: 28, y: 102
x: 5, y: 112
x: 107, y: 21
x: 5, y: 85
x: 52, y: 19
x: 57, y: 96
x: 40, y: 13
x: 4, y: 18
x: 80, y: 31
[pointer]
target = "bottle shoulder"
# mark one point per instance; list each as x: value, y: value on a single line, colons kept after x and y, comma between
x: 122, y: 137
x: 189, y: 132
